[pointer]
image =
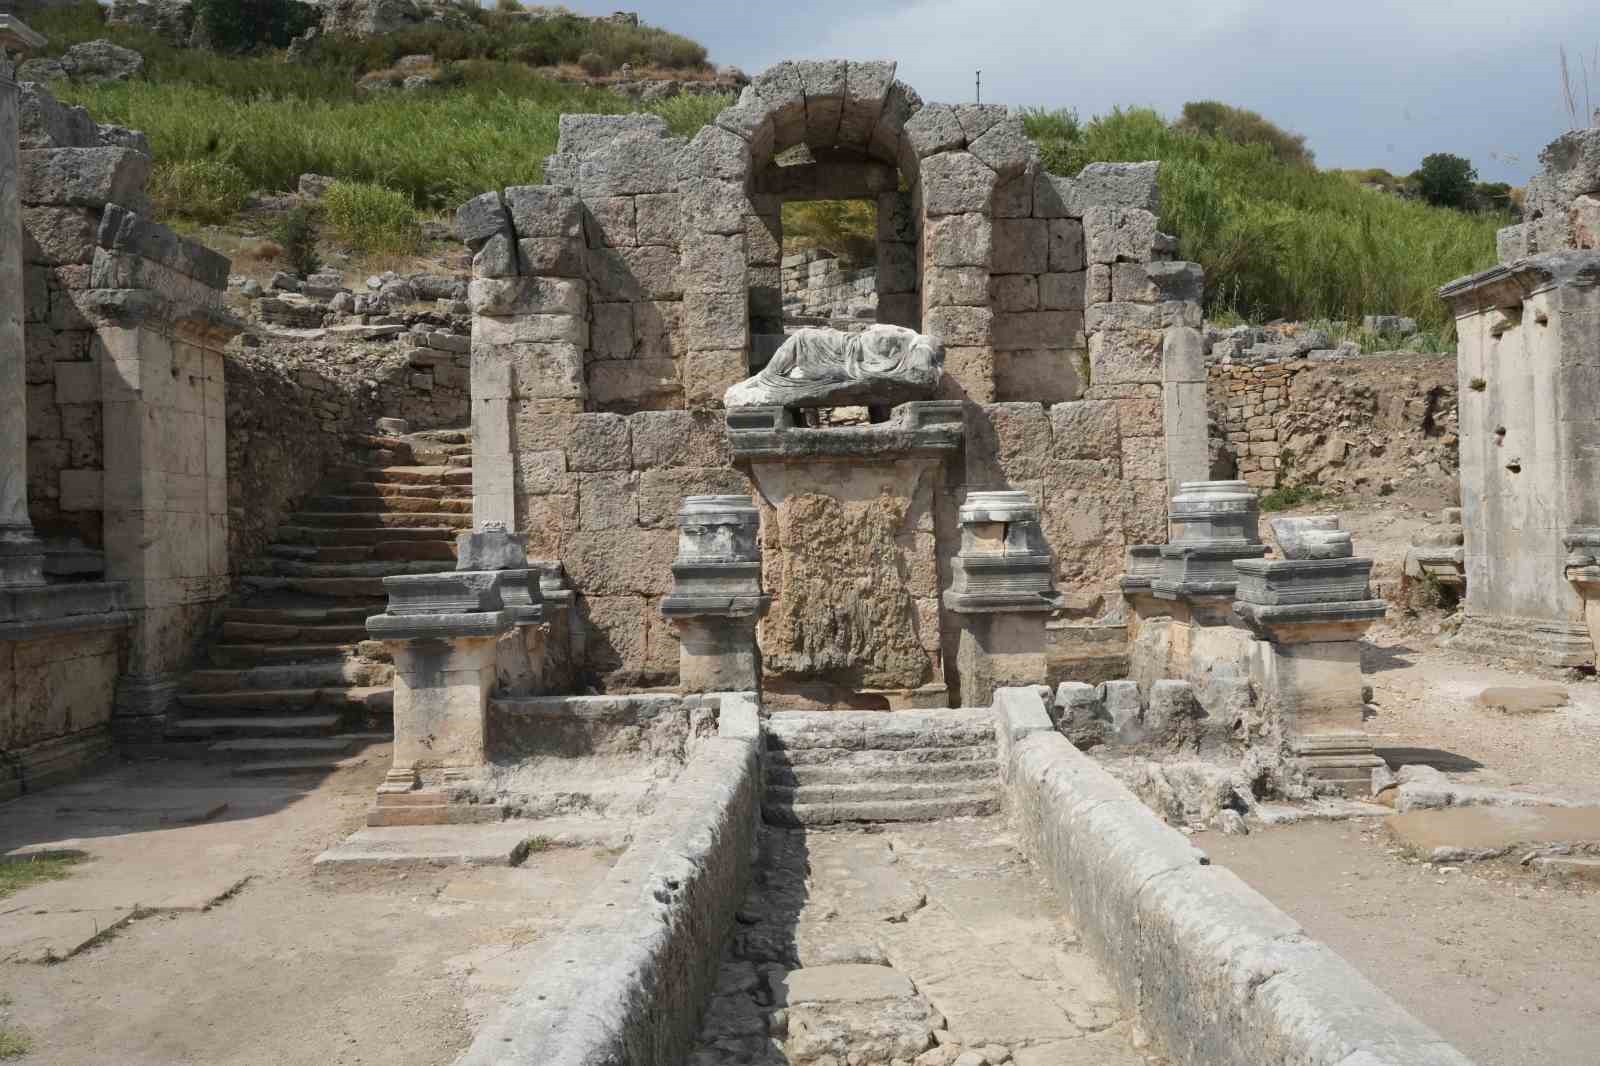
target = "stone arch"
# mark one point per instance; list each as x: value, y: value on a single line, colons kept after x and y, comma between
x: 964, y: 166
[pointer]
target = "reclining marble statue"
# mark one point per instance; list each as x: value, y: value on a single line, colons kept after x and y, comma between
x: 881, y: 365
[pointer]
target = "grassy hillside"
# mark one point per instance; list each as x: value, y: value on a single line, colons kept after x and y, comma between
x: 489, y: 124
x: 1279, y: 240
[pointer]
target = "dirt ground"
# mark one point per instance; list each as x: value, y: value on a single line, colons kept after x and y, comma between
x: 291, y: 967
x: 1499, y: 961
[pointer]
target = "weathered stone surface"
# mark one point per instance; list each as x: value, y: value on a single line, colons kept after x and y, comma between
x: 714, y: 262
x: 712, y: 206
x: 595, y: 441
x: 955, y: 183
x: 656, y: 218
x: 1021, y: 246
x: 631, y: 274
x: 934, y: 128
x: 632, y: 384
x: 956, y: 286
x: 959, y: 240
x: 1157, y: 282
x: 716, y: 320
x: 1115, y: 234
x: 84, y: 177
x: 1063, y: 291
x: 1017, y: 330
x: 532, y: 295
x: 1006, y: 148
x: 542, y: 211
x: 677, y: 438
x: 1086, y: 429
x: 480, y: 218
x: 960, y: 325
x: 1125, y: 356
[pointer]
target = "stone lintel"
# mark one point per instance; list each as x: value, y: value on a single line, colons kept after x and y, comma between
x: 916, y: 428
x: 202, y: 325
x: 1509, y: 285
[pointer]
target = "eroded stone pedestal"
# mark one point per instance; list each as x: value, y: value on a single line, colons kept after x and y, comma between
x: 716, y: 597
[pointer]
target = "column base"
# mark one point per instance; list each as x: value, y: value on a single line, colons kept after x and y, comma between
x: 142, y: 706
x: 718, y: 653
x: 21, y: 558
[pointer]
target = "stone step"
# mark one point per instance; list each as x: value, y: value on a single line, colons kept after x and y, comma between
x: 879, y: 730
x: 435, y: 814
x: 244, y: 656
x: 384, y: 519
x: 365, y: 536
x: 379, y: 504
x: 377, y: 568
x: 280, y: 747
x: 369, y: 490
x: 308, y: 615
x: 785, y: 774
x: 872, y: 791
x: 353, y: 673
x: 310, y: 764
x: 374, y: 699
x: 255, y: 726
x: 461, y: 460
x: 333, y: 588
x: 864, y: 761
x: 414, y: 475
x: 955, y: 805
x: 256, y: 633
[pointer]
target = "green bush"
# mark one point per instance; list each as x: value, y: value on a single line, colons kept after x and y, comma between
x: 297, y: 231
x: 1279, y: 240
x: 372, y: 219
x: 1211, y: 118
x: 204, y: 190
x: 1446, y: 180
x: 240, y: 25
x: 594, y: 64
x: 847, y: 228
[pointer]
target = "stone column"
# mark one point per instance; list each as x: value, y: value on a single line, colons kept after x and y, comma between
x: 1310, y: 610
x: 21, y: 553
x: 716, y: 597
x: 1002, y: 590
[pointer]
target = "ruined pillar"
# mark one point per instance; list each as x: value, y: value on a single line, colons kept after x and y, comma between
x: 716, y: 597
x: 21, y: 553
x: 1310, y: 610
x: 1002, y: 592
x: 1214, y: 526
x: 1530, y: 437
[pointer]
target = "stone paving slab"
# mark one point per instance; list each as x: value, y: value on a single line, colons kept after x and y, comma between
x: 493, y: 844
x: 1469, y: 833
x: 38, y: 937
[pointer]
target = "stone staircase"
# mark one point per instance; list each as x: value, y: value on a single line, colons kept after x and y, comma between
x: 830, y: 767
x: 291, y: 683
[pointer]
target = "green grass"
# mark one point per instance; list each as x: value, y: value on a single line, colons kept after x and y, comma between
x: 1283, y: 241
x: 1285, y: 499
x: 204, y: 190
x: 489, y: 126
x: 14, y: 1043
x: 372, y: 219
x: 24, y: 873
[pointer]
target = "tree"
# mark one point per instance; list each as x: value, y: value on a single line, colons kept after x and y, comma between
x: 1211, y: 118
x: 1446, y: 180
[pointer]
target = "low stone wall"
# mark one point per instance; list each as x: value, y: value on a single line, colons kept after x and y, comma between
x: 1217, y: 975
x: 816, y: 285
x: 1333, y: 419
x: 627, y: 980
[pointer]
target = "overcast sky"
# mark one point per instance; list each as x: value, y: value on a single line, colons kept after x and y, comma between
x: 1369, y: 83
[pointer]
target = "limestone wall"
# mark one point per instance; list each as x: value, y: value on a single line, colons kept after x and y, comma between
x: 56, y: 694
x: 815, y: 285
x: 614, y: 306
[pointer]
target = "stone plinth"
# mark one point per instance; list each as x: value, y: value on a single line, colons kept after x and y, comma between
x: 1310, y: 614
x: 1002, y: 592
x: 1213, y: 526
x: 850, y: 553
x: 716, y: 597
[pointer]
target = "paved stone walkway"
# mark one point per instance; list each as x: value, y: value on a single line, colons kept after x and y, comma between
x: 929, y: 943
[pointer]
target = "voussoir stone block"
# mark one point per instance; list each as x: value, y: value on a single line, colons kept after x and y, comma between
x: 823, y: 81
x: 782, y: 89
x: 714, y: 153
x: 898, y: 106
x: 935, y: 128
x: 1006, y: 148
x: 867, y: 84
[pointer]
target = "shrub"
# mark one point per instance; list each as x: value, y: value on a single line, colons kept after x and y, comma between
x: 297, y: 233
x: 594, y: 64
x: 847, y: 228
x: 507, y: 6
x: 372, y: 219
x: 1446, y: 180
x: 240, y: 25
x: 1289, y: 497
x: 1211, y: 118
x: 204, y: 190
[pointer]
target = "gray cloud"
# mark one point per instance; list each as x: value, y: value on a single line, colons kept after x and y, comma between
x: 1370, y: 83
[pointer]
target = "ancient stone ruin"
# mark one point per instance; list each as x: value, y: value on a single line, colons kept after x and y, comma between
x: 702, y: 578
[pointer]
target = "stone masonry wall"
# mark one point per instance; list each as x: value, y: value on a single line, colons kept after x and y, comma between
x: 1371, y: 421
x: 613, y: 308
x: 816, y: 286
